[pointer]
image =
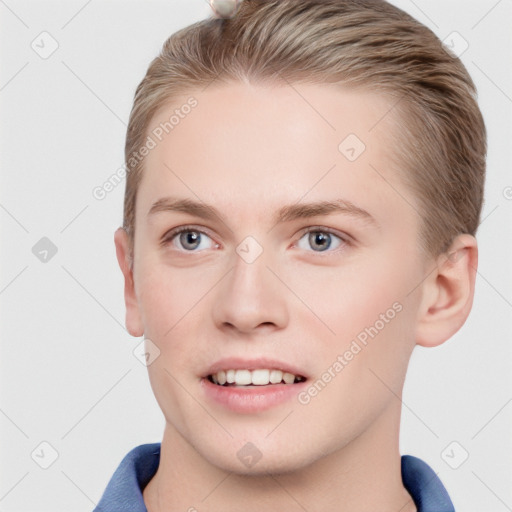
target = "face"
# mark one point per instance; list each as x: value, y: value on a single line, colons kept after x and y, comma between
x: 296, y: 270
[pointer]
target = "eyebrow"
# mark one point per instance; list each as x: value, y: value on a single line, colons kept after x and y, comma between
x: 285, y: 214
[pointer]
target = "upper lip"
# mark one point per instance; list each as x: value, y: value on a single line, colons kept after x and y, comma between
x: 239, y: 363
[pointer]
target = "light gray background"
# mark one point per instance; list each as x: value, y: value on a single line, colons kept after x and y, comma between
x: 68, y: 374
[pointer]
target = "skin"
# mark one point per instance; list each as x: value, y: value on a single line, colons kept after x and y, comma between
x: 248, y: 150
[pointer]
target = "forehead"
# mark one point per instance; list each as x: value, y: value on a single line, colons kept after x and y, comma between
x: 255, y: 148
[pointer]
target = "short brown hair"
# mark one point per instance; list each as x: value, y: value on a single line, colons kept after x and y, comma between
x: 368, y: 44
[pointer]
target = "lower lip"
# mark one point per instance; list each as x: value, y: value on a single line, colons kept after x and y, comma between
x: 251, y: 399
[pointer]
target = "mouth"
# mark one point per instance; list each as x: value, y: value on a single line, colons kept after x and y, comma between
x: 243, y: 378
x: 249, y: 386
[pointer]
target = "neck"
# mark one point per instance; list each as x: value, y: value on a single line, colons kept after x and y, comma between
x: 361, y: 476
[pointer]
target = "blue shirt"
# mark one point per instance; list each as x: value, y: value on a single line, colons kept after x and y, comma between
x: 124, y: 491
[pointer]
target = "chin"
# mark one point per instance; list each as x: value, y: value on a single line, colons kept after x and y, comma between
x: 259, y: 458
x: 265, y: 466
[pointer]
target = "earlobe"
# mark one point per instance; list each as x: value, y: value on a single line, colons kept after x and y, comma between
x: 124, y: 257
x: 448, y: 293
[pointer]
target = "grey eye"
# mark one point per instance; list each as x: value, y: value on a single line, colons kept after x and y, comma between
x: 320, y: 241
x: 191, y: 240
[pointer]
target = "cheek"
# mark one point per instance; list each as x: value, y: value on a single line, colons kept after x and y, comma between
x: 170, y: 298
x: 377, y: 328
x: 173, y: 302
x: 363, y: 368
x: 351, y: 296
x: 367, y: 316
x: 170, y: 301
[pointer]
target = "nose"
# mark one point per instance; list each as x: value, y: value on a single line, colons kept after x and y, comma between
x: 250, y: 299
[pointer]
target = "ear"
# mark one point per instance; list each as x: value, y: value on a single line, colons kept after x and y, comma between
x: 448, y: 293
x: 125, y: 258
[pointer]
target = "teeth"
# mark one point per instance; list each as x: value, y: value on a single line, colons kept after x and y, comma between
x: 260, y: 377
x: 288, y: 378
x: 242, y: 377
x: 276, y: 376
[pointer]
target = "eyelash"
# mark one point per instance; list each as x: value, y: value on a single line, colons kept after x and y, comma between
x: 345, y: 239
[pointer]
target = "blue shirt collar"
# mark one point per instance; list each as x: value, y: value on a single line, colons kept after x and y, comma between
x: 124, y: 491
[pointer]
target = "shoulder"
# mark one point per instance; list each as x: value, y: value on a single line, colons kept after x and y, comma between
x: 424, y: 486
x: 124, y: 490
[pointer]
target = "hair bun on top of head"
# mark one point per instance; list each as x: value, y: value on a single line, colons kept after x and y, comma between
x: 225, y: 8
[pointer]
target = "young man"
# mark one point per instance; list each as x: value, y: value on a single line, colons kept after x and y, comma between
x: 305, y: 185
